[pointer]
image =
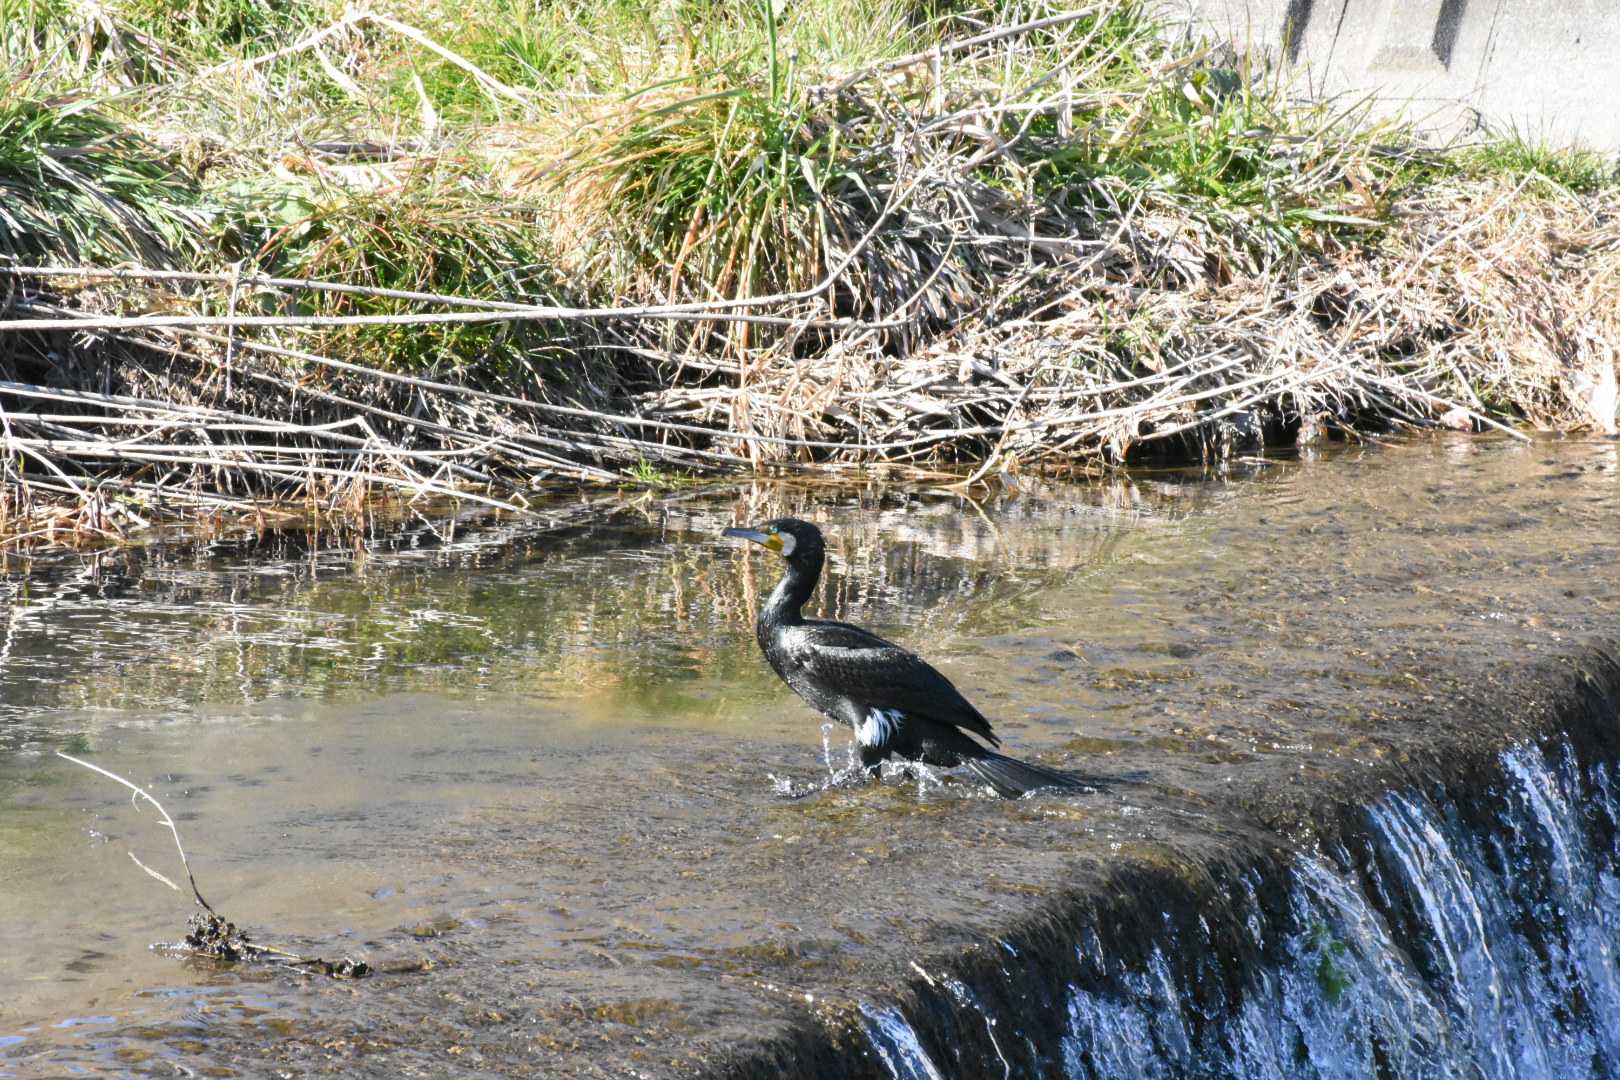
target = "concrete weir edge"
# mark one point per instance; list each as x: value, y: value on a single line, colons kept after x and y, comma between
x: 1567, y: 704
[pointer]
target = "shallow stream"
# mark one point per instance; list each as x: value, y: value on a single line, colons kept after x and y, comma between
x: 531, y: 771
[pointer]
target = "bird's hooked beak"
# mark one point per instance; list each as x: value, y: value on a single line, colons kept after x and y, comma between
x: 773, y: 541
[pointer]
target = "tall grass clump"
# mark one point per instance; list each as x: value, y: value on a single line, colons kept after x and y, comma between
x: 425, y: 227
x: 744, y: 164
x: 1544, y: 166
x: 698, y: 168
x: 76, y: 185
x: 711, y: 189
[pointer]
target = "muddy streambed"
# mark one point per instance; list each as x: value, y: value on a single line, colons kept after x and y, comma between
x: 530, y: 772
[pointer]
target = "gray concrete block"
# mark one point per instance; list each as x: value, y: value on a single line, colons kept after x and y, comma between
x: 1548, y: 69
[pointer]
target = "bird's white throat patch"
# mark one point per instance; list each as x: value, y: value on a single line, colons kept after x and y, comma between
x: 787, y: 542
x: 878, y: 727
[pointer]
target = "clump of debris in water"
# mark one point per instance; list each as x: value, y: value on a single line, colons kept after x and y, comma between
x: 218, y: 938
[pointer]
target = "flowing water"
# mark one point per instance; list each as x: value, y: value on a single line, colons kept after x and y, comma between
x: 1432, y: 947
x: 531, y: 772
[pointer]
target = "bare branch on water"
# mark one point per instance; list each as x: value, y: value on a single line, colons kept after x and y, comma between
x: 167, y: 822
x: 213, y: 935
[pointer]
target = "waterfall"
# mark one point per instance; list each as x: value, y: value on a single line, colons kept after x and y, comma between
x: 1442, y: 933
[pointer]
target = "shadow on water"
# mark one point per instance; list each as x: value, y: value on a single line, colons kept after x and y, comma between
x: 526, y: 768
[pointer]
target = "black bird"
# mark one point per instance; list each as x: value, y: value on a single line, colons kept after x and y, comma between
x: 893, y: 700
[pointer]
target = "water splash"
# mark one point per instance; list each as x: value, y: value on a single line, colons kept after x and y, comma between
x: 1447, y: 936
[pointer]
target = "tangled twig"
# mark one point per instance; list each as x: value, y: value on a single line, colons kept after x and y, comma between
x: 209, y: 933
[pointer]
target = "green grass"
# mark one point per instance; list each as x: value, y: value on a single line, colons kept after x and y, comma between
x: 715, y: 187
x: 1543, y: 165
x: 76, y: 185
x: 540, y: 47
x: 1260, y: 176
x: 433, y: 229
x: 659, y: 151
x: 695, y: 162
x: 213, y: 30
x: 645, y: 474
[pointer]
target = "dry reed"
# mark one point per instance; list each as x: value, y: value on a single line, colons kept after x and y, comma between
x: 933, y: 306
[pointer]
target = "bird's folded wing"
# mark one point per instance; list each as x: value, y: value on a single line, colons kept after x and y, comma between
x: 880, y: 674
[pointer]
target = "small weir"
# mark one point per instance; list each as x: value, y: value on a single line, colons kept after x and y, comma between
x: 1441, y: 933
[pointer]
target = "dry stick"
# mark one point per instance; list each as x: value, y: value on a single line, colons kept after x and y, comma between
x: 530, y: 313
x: 230, y: 344
x: 986, y: 38
x: 538, y: 406
x: 308, y: 41
x: 157, y: 492
x: 141, y: 273
x: 348, y: 403
x: 78, y: 528
x: 1001, y: 444
x: 5, y: 427
x: 511, y: 444
x: 167, y: 821
x: 252, y: 948
x: 433, y: 457
x: 1390, y: 384
x: 1299, y: 379
x: 1307, y: 378
x: 91, y: 397
x: 486, y: 80
x: 74, y: 488
x: 1155, y: 404
x: 371, y: 448
x: 1411, y: 269
x: 191, y: 321
x: 101, y: 451
x: 185, y: 411
x: 265, y: 427
x: 437, y: 458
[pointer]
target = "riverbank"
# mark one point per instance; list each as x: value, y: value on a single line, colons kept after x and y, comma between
x: 304, y: 257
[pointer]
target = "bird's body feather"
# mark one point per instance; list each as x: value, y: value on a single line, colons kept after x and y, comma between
x: 844, y: 672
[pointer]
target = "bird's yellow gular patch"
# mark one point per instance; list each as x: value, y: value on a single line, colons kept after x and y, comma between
x: 781, y: 543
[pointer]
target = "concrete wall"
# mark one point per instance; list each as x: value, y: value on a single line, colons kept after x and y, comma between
x: 1549, y: 69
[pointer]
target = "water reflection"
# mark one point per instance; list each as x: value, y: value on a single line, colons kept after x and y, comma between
x: 620, y: 595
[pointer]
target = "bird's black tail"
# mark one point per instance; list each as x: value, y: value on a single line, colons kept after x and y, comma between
x: 1012, y: 778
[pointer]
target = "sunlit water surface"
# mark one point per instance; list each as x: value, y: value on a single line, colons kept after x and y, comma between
x: 530, y: 771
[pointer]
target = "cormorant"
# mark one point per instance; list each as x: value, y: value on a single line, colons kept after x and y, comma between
x: 895, y: 703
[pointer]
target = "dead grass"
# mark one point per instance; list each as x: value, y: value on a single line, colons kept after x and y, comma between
x: 1481, y: 305
x: 1067, y: 242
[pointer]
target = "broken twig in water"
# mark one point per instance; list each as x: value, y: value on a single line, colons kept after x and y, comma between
x: 212, y: 934
x: 168, y: 823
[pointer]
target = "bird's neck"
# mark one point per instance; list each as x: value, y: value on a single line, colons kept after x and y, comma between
x: 782, y: 606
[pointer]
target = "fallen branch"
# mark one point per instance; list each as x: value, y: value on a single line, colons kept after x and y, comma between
x: 168, y: 823
x: 211, y: 934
